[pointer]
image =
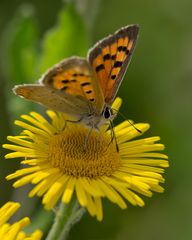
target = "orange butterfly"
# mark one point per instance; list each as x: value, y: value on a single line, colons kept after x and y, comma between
x: 85, y: 88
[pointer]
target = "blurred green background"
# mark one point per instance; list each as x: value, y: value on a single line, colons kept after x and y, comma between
x: 157, y: 89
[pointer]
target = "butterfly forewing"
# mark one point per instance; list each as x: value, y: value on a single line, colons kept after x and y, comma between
x: 110, y: 58
x: 69, y: 87
x: 75, y: 77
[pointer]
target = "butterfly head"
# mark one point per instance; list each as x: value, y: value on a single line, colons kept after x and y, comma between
x: 108, y: 113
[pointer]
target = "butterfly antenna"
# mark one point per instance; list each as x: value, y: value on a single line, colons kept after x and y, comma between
x: 138, y: 130
x: 98, y: 144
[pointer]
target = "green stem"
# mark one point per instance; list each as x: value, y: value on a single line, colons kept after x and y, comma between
x: 76, y: 217
x: 66, y: 217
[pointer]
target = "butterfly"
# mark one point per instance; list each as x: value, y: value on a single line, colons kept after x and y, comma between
x: 84, y: 88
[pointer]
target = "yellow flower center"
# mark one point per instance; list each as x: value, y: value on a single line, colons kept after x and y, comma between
x: 80, y: 153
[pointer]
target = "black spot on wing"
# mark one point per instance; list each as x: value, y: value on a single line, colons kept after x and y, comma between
x: 89, y: 91
x: 118, y: 64
x: 99, y: 67
x: 85, y: 84
x: 64, y: 88
x: 75, y: 75
x: 65, y: 81
x: 127, y: 52
x: 119, y: 48
x: 73, y: 80
x: 106, y: 57
x: 80, y: 75
x: 113, y: 57
x: 122, y: 48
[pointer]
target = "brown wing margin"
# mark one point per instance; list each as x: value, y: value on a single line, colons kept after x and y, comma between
x: 110, y: 58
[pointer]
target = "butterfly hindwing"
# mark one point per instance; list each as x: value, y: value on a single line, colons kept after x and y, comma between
x: 110, y: 58
x: 53, y: 99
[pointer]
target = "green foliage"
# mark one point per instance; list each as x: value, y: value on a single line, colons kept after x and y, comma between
x: 67, y: 38
x: 20, y: 46
x: 27, y: 57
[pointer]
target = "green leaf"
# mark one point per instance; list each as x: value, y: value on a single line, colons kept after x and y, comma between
x: 88, y: 9
x: 67, y: 38
x: 20, y: 51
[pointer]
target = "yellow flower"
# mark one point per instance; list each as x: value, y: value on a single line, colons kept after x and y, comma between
x: 62, y: 159
x: 13, y: 231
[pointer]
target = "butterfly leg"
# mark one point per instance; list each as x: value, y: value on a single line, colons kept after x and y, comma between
x: 87, y: 138
x: 97, y: 146
x: 71, y: 121
x: 113, y: 137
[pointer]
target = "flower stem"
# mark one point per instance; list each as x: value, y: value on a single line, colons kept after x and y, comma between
x: 66, y: 216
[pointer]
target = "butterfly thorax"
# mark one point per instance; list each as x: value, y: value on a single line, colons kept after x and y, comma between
x: 95, y: 120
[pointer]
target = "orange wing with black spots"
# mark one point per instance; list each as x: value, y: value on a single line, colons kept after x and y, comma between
x: 110, y: 58
x: 70, y: 86
x: 75, y: 77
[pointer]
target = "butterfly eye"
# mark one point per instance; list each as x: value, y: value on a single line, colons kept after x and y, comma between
x: 107, y: 113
